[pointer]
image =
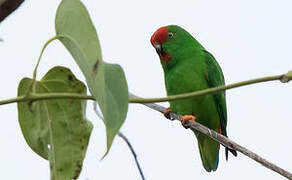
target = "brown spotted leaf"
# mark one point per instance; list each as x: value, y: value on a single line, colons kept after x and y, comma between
x: 106, y: 82
x: 56, y: 130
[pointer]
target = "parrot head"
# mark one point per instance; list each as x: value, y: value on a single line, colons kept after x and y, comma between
x: 158, y: 39
x: 172, y: 43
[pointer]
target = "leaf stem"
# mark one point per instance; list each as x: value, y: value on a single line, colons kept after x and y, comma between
x: 41, y: 54
x: 37, y: 65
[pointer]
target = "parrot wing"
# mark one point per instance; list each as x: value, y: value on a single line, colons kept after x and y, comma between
x: 215, y: 78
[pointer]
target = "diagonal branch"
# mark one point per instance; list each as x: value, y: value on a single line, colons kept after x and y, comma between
x: 7, y: 7
x: 222, y: 140
x: 121, y: 135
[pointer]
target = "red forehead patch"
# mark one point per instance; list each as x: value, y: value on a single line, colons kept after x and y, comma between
x: 160, y: 36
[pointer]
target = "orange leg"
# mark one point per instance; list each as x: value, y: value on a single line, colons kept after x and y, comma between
x: 185, y: 119
x: 166, y: 113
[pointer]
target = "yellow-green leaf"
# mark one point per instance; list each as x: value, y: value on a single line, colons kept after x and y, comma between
x: 56, y: 130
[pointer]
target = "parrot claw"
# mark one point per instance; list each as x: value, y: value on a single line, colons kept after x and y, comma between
x: 166, y: 113
x: 185, y: 120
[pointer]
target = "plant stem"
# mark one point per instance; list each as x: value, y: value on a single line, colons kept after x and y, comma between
x: 41, y: 54
x: 46, y: 96
x: 206, y: 91
x: 37, y: 65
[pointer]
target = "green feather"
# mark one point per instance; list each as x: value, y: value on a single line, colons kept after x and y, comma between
x: 215, y: 78
x: 192, y: 68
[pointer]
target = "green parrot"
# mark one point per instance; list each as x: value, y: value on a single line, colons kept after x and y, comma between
x: 189, y: 67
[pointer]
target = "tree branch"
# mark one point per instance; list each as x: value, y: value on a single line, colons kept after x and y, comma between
x: 121, y: 135
x: 7, y: 7
x: 221, y: 139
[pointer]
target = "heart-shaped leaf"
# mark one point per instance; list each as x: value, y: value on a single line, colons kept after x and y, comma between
x: 56, y: 130
x: 106, y: 82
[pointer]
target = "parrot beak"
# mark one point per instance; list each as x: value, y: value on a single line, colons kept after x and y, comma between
x: 164, y: 56
x: 159, y: 49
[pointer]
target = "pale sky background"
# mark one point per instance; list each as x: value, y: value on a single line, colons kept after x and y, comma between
x: 249, y: 39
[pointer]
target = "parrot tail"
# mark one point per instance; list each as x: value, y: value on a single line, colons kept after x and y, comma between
x: 209, y: 152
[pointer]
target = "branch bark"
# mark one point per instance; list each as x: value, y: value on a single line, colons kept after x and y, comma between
x: 222, y: 140
x: 7, y: 7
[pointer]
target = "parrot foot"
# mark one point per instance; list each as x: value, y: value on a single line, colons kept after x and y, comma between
x: 166, y: 113
x: 185, y: 119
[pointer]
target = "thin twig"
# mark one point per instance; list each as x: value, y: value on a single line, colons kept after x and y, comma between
x: 222, y: 140
x: 284, y: 78
x: 121, y: 135
x: 51, y: 96
x: 46, y: 96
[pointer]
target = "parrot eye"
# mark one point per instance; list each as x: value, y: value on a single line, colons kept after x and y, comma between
x: 170, y: 34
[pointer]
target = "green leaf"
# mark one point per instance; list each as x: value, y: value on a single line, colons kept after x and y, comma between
x: 106, y: 82
x: 56, y: 130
